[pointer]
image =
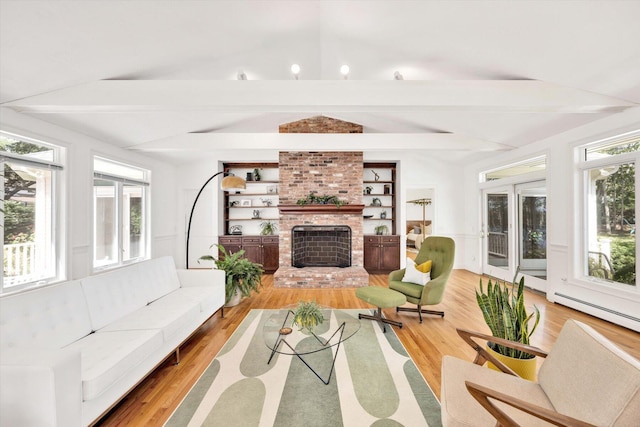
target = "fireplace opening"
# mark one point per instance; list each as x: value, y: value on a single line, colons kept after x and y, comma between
x: 321, y: 246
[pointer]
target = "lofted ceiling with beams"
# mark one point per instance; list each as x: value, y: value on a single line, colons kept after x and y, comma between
x: 160, y: 77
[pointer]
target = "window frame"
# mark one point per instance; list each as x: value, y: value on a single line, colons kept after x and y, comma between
x: 583, y: 168
x: 55, y: 207
x: 120, y: 182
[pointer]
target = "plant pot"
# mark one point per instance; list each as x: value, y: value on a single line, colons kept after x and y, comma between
x: 526, y: 368
x: 235, y: 299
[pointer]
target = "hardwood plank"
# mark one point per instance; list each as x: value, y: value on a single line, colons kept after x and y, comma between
x: 154, y: 400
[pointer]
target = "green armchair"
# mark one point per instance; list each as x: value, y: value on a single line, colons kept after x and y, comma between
x: 441, y: 251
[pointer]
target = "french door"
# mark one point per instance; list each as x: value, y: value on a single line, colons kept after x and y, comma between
x: 514, y: 232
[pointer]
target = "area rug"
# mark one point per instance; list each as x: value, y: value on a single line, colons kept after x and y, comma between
x: 374, y: 383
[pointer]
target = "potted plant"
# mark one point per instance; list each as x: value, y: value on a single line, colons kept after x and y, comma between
x: 242, y: 275
x: 313, y: 199
x: 376, y: 202
x: 268, y: 228
x: 381, y: 230
x: 308, y: 315
x: 505, y: 313
x: 256, y: 174
x: 368, y: 189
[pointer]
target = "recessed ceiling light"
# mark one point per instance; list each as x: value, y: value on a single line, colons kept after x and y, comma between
x: 295, y: 69
x: 344, y: 70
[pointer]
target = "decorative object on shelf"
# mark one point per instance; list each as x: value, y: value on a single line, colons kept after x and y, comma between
x: 233, y: 203
x: 249, y: 176
x: 387, y: 189
x: 308, y: 315
x: 256, y: 174
x: 367, y: 190
x: 376, y: 202
x: 422, y: 202
x: 367, y: 216
x: 256, y: 214
x: 383, y: 215
x: 272, y: 189
x: 235, y: 230
x: 229, y: 183
x: 242, y: 275
x: 381, y: 230
x: 504, y: 312
x: 312, y: 199
x: 245, y: 202
x: 266, y: 201
x: 268, y: 228
x: 376, y: 176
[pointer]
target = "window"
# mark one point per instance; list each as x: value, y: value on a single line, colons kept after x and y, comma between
x: 120, y: 213
x: 536, y: 164
x: 609, y: 170
x: 31, y: 250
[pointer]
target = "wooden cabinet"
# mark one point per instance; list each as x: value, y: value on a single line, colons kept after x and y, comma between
x: 381, y: 254
x: 260, y: 249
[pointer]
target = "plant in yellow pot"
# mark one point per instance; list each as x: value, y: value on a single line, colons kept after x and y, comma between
x: 505, y: 313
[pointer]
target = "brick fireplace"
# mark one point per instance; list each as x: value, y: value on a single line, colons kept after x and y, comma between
x: 325, y: 173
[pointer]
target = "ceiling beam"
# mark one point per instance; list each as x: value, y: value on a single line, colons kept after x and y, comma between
x: 319, y: 97
x: 203, y: 142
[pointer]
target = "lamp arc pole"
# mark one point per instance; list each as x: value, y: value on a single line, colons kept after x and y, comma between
x: 193, y: 208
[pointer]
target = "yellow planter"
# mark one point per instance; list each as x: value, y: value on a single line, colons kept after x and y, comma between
x: 526, y: 368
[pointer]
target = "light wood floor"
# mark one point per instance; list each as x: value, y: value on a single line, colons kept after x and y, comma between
x: 153, y: 401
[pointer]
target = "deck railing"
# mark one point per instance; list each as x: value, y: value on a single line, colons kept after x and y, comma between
x: 19, y: 263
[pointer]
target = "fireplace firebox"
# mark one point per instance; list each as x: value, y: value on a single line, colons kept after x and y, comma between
x: 321, y: 246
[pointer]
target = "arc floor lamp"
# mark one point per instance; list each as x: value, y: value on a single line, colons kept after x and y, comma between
x: 229, y: 183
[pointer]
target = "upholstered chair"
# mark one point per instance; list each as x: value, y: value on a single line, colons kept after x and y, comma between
x: 441, y: 252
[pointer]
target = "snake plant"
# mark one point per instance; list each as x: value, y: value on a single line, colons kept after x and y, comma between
x: 506, y: 315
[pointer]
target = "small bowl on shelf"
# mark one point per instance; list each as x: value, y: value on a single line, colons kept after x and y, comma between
x: 367, y: 216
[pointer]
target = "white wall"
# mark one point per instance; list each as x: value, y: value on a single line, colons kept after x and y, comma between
x: 77, y: 208
x: 620, y: 305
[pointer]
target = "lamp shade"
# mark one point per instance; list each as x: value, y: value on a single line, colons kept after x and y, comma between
x: 233, y: 183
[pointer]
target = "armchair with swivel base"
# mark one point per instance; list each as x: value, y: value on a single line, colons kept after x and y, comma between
x: 439, y: 250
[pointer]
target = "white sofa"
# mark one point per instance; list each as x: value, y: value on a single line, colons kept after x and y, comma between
x: 69, y: 352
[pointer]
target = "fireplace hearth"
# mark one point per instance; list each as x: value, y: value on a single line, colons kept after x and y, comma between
x: 321, y: 246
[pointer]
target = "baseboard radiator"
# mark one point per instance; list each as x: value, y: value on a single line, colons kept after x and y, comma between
x: 590, y: 304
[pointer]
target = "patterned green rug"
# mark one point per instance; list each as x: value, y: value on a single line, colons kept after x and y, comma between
x: 375, y: 383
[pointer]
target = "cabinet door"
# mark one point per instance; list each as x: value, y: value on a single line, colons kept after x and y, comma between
x: 372, y: 252
x: 252, y: 248
x: 231, y: 244
x: 390, y: 253
x: 270, y: 254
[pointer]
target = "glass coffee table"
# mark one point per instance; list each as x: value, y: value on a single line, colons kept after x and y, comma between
x: 283, y: 337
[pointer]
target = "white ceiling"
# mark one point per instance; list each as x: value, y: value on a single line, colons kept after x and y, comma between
x: 160, y: 76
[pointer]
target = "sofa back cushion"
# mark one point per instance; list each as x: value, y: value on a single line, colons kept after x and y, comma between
x: 587, y: 377
x: 159, y: 277
x: 114, y: 294
x: 48, y: 318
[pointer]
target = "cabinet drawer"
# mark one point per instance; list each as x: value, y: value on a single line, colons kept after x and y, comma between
x: 254, y: 239
x: 271, y: 239
x: 391, y: 239
x: 371, y: 239
x: 230, y: 240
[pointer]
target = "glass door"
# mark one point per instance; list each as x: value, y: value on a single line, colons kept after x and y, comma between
x: 532, y: 228
x: 497, y: 231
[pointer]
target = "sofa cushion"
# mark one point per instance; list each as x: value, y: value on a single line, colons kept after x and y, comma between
x: 168, y: 314
x: 208, y: 298
x: 47, y: 318
x: 114, y: 294
x: 108, y: 356
x: 159, y: 277
x: 459, y: 408
x: 603, y: 380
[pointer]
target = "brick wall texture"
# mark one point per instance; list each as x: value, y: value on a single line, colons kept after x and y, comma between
x: 320, y: 124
